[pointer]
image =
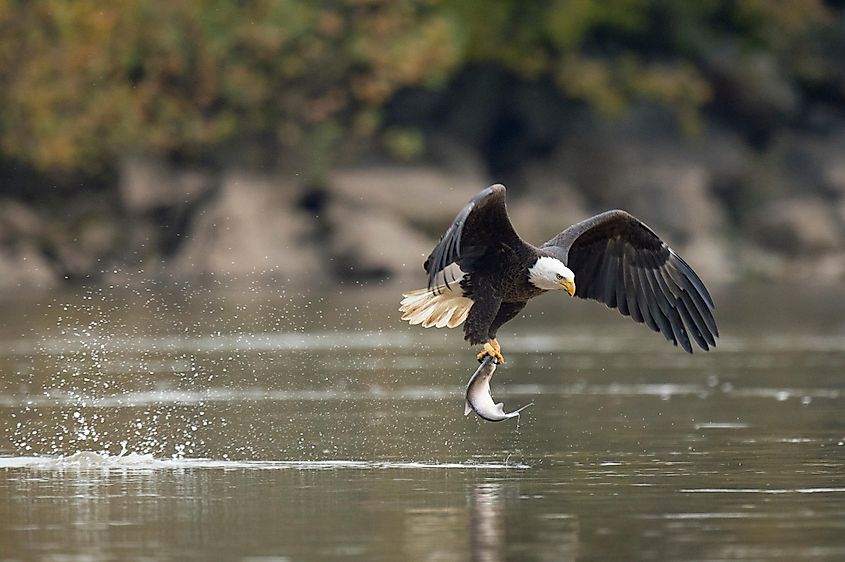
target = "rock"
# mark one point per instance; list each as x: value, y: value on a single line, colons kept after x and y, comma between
x: 834, y: 176
x: 812, y: 161
x: 751, y: 83
x: 80, y: 246
x: 372, y: 243
x: 22, y: 263
x: 159, y: 200
x: 147, y: 184
x: 722, y: 152
x: 641, y: 164
x: 252, y: 228
x: 540, y: 218
x: 797, y: 227
x: 457, y: 160
x: 424, y: 196
x: 664, y: 182
x: 546, y: 204
x: 829, y: 268
x: 840, y: 211
x: 712, y: 258
x: 25, y: 267
x: 19, y: 222
x: 821, y: 269
x: 670, y: 196
x: 644, y: 165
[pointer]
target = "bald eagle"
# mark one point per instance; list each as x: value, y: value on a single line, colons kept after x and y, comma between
x: 482, y: 274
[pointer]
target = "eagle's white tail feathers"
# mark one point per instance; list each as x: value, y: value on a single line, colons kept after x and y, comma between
x: 441, y: 307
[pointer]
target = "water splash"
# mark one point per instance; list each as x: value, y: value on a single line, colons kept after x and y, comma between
x: 65, y: 397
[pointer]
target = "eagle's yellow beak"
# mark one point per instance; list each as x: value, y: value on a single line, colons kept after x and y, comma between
x: 568, y: 286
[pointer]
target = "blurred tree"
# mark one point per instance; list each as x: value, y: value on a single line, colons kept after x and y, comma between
x: 84, y: 82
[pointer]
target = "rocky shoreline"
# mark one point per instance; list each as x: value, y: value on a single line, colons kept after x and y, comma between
x: 733, y: 211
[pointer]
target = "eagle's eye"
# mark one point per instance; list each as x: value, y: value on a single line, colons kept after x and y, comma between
x: 559, y: 276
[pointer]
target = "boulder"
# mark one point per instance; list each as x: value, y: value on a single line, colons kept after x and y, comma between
x: 253, y: 227
x: 25, y: 267
x: 147, y: 184
x: 797, y: 227
x: 159, y: 200
x: 834, y: 176
x: 764, y: 263
x: 751, y: 83
x: 81, y: 246
x: 22, y: 263
x: 712, y: 258
x: 840, y: 211
x: 644, y: 165
x: 810, y: 161
x: 546, y: 204
x: 672, y: 196
x: 456, y: 160
x: 19, y: 222
x: 373, y: 243
x: 424, y: 196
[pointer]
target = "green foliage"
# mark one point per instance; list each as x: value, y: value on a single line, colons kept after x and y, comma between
x: 612, y: 52
x: 82, y: 82
x: 86, y: 81
x: 404, y: 144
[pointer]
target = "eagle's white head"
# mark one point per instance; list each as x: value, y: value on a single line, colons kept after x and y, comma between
x: 550, y: 274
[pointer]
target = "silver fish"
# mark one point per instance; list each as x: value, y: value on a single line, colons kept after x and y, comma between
x: 479, y: 398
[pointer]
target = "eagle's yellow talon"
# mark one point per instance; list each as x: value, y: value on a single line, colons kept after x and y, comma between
x: 495, y: 343
x: 491, y: 348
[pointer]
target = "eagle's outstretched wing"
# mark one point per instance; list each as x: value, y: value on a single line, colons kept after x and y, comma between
x: 621, y: 262
x: 479, y: 234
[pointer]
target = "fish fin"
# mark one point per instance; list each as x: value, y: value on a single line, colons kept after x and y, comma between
x: 467, y: 408
x: 516, y: 412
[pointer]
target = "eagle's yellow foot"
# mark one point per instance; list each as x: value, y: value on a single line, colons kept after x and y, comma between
x: 491, y: 348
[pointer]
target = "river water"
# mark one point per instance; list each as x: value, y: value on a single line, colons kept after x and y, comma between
x: 255, y: 424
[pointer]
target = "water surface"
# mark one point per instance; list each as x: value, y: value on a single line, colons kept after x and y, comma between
x: 253, y: 425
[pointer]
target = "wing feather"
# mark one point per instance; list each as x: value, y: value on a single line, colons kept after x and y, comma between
x: 700, y: 325
x: 621, y: 297
x: 622, y: 263
x: 609, y: 278
x: 479, y: 232
x: 658, y: 306
x: 592, y: 269
x: 631, y: 290
x: 653, y: 316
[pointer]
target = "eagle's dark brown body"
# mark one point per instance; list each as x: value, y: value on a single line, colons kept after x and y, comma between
x: 498, y: 295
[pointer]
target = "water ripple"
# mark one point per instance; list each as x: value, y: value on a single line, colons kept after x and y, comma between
x: 89, y: 460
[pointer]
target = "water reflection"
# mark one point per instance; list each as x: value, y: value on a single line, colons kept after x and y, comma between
x: 487, y: 534
x: 435, y: 533
x: 559, y: 534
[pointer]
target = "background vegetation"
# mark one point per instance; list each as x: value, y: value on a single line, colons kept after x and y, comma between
x: 84, y: 82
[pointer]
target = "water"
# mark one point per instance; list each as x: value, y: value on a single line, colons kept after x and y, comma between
x: 252, y: 425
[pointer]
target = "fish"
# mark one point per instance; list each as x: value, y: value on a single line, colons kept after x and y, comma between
x: 479, y: 399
